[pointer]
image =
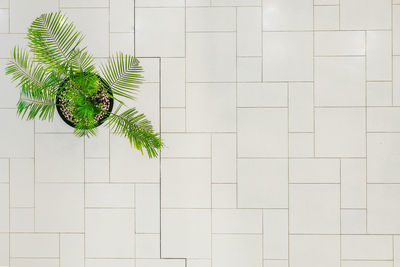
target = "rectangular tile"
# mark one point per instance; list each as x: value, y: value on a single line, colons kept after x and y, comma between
x: 340, y: 43
x: 4, y: 249
x: 173, y: 82
x: 4, y: 21
x: 276, y: 234
x: 396, y: 256
x: 236, y: 2
x: 249, y: 69
x: 396, y: 80
x: 286, y: 15
x: 367, y: 264
x: 147, y: 246
x: 210, y: 19
x: 301, y: 145
x: 353, y: 221
x: 97, y: 170
x: 340, y: 132
x: 22, y: 220
x: 166, y: 38
x: 353, y: 183
x: 231, y: 221
x: 396, y: 29
x: 381, y: 147
x: 72, y: 250
x: 338, y: 76
x: 16, y: 136
x: 262, y: 183
x: 314, y: 250
x: 109, y: 196
x: 205, y: 110
x: 287, y: 56
x: 98, y: 25
x: 181, y: 145
x: 367, y: 247
x: 35, y: 262
x: 4, y: 208
x: 262, y: 95
x: 173, y: 120
x: 326, y: 17
x: 34, y: 245
x: 122, y: 14
x: 23, y: 12
x: 110, y: 233
x: 85, y: 3
x: 365, y: 15
x: 160, y: 3
x: 160, y: 263
x: 219, y: 49
x: 59, y: 207
x: 55, y: 154
x: 147, y: 208
x: 379, y: 93
x: 4, y: 170
x: 314, y: 171
x: 249, y: 31
x: 379, y: 55
x: 237, y: 250
x: 383, y: 209
x: 186, y: 233
x: 22, y: 182
x: 223, y: 196
x: 186, y: 183
x: 262, y: 132
x: 109, y: 262
x: 122, y: 155
x: 301, y: 107
x: 383, y: 119
x: 314, y: 208
x: 223, y: 158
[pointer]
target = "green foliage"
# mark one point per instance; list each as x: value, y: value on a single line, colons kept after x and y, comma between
x: 123, y: 74
x: 134, y: 126
x: 56, y: 68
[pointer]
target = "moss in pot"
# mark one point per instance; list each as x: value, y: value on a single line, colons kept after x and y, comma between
x: 55, y: 74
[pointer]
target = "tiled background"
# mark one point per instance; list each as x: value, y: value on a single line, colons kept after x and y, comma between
x: 282, y: 125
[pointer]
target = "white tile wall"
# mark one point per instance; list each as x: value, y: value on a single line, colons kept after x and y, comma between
x: 280, y: 120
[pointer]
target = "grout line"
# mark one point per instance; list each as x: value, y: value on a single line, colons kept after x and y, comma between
x: 366, y: 133
x: 236, y: 112
x: 391, y: 6
x: 340, y: 210
x: 9, y: 212
x: 160, y: 158
x: 288, y: 171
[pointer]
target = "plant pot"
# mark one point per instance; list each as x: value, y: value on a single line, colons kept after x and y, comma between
x: 67, y: 119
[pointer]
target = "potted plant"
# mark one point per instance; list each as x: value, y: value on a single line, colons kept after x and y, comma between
x: 55, y: 74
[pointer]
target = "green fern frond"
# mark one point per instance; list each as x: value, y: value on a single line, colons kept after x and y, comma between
x: 42, y: 107
x: 123, y: 74
x: 139, y: 131
x: 22, y: 69
x: 53, y: 40
x: 85, y: 132
x: 82, y: 61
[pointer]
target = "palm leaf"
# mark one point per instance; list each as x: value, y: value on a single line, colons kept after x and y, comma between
x: 123, y: 74
x: 52, y: 39
x: 85, y: 132
x: 42, y: 107
x: 82, y: 61
x: 37, y: 86
x: 23, y: 70
x: 134, y: 126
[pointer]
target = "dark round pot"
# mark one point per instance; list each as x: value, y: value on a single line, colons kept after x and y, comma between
x: 70, y: 123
